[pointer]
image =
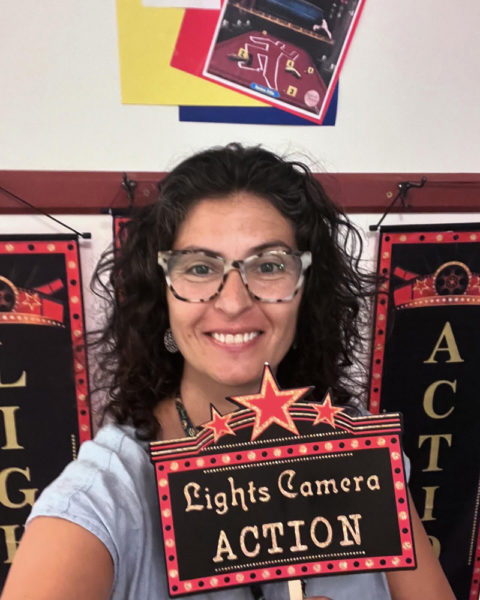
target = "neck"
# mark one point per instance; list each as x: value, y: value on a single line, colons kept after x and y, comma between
x: 198, y: 392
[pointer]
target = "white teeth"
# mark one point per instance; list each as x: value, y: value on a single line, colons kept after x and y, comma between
x: 238, y: 338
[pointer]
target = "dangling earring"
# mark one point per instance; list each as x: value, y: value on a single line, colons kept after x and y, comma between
x: 169, y: 341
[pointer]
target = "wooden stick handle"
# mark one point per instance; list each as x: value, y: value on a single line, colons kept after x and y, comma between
x: 295, y: 589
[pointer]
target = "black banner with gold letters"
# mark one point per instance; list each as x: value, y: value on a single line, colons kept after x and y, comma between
x: 44, y: 413
x: 425, y: 364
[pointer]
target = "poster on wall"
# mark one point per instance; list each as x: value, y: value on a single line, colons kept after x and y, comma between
x: 425, y: 365
x: 146, y: 41
x: 191, y: 51
x: 285, y: 52
x: 44, y: 412
x: 162, y: 52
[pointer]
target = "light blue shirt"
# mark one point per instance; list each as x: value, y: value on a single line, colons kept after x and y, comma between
x: 110, y: 490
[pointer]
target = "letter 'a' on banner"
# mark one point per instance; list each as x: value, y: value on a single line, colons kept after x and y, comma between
x: 44, y: 411
x: 425, y: 364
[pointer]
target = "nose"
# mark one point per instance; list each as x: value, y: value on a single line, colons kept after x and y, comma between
x: 234, y: 297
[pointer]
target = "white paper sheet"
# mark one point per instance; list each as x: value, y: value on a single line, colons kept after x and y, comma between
x: 212, y: 4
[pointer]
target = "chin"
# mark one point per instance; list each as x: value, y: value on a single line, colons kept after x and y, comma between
x: 242, y: 379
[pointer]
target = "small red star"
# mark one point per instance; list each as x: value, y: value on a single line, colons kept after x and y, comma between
x: 31, y: 300
x: 271, y: 404
x: 218, y: 424
x: 474, y: 284
x: 421, y: 286
x: 326, y: 412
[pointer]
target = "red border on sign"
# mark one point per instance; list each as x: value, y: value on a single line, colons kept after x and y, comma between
x: 381, y: 314
x: 347, y: 436
x: 69, y: 248
x: 321, y: 565
x: 381, y: 308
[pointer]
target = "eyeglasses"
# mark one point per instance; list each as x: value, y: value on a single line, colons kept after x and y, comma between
x: 199, y: 276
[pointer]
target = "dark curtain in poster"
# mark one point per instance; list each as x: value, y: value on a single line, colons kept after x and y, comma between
x: 44, y: 413
x: 426, y: 357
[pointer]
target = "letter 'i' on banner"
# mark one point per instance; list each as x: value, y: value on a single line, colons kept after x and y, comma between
x: 425, y: 365
x: 44, y: 411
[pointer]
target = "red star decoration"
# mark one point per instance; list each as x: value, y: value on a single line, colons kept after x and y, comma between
x: 271, y: 404
x: 31, y: 300
x: 421, y: 286
x: 218, y: 424
x: 326, y: 412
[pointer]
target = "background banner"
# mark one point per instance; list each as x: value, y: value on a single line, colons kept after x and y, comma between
x: 44, y: 414
x: 425, y: 364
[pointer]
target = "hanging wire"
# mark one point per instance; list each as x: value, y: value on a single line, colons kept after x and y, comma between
x: 129, y: 185
x: 85, y: 235
x: 403, y: 188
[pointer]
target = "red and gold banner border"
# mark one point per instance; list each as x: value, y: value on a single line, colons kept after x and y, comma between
x: 381, y: 308
x: 68, y: 248
x: 430, y: 235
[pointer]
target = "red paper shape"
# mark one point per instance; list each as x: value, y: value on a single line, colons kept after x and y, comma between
x: 326, y: 412
x: 271, y: 405
x: 218, y: 424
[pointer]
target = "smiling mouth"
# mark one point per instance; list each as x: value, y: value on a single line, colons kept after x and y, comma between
x: 234, y: 338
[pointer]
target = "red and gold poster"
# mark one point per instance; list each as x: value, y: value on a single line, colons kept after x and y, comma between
x: 44, y: 411
x: 425, y: 365
x: 288, y: 53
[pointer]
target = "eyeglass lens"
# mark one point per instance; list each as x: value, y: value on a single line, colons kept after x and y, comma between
x: 270, y: 276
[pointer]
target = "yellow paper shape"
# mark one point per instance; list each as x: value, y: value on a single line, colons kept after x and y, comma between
x: 146, y: 39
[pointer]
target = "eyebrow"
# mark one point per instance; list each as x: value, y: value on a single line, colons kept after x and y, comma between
x: 271, y: 244
x: 255, y: 250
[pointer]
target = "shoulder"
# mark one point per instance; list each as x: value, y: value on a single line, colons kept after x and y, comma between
x: 111, y: 480
x: 114, y: 455
x: 112, y: 462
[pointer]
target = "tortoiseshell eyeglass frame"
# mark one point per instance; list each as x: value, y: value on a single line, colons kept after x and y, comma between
x: 236, y: 265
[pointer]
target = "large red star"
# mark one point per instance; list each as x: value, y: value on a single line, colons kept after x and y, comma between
x: 271, y: 404
x: 326, y: 412
x: 218, y: 424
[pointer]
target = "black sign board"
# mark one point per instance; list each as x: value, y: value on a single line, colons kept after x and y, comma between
x: 44, y: 413
x: 282, y: 489
x: 425, y: 364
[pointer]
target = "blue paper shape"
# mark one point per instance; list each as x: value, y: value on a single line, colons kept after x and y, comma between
x: 253, y: 115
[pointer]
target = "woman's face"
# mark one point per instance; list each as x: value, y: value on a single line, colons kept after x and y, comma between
x: 234, y: 227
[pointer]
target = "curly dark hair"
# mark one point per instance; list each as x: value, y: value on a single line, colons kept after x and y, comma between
x: 134, y: 365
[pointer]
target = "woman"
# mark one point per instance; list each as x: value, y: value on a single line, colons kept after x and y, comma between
x: 234, y: 232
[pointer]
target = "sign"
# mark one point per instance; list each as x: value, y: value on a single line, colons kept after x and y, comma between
x: 44, y: 415
x: 286, y: 52
x: 282, y: 489
x: 425, y: 364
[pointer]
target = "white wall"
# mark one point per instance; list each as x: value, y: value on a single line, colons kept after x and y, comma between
x: 409, y: 95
